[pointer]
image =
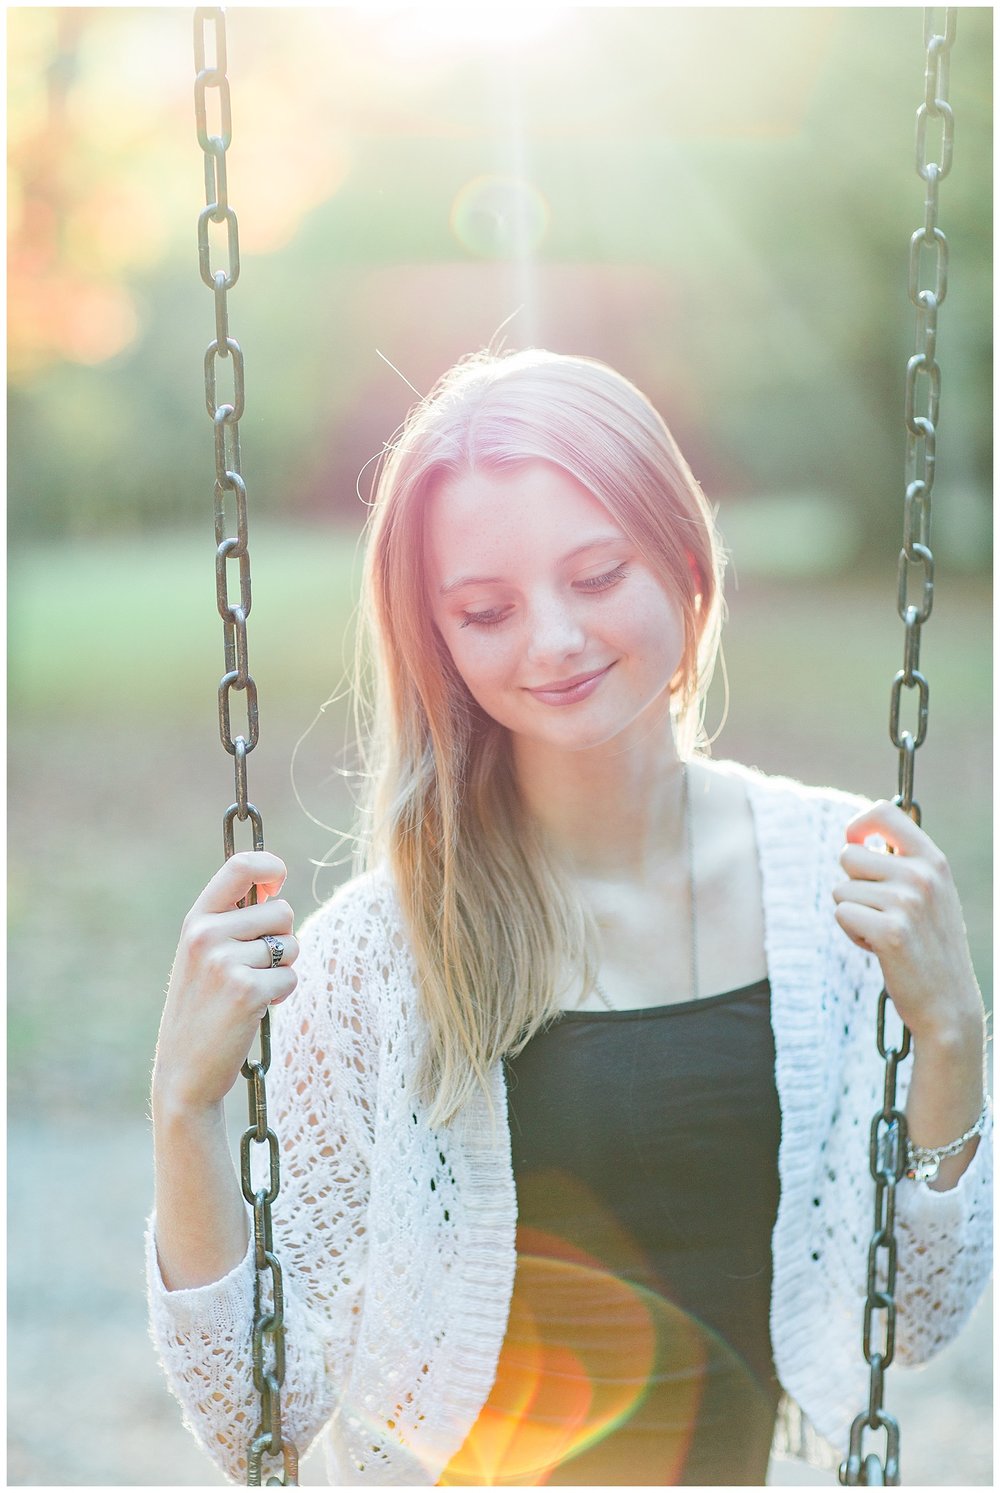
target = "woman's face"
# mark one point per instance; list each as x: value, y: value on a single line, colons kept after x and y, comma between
x: 558, y: 626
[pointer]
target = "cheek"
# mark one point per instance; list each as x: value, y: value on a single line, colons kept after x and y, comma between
x: 660, y: 647
x: 672, y: 634
x: 655, y: 625
x: 483, y: 659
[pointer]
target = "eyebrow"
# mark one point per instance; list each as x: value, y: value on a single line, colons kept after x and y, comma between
x: 496, y: 580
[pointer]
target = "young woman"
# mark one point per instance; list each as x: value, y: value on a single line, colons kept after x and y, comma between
x: 575, y: 1086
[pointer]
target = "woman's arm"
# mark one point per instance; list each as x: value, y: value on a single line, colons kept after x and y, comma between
x: 201, y: 1217
x: 904, y: 908
x: 324, y: 1061
x: 220, y: 986
x: 946, y: 1095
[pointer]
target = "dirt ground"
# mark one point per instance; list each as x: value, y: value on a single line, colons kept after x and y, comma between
x: 88, y: 1405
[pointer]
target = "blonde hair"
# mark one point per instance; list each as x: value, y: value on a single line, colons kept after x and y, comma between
x: 494, y: 921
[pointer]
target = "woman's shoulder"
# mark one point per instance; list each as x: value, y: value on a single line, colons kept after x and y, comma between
x: 794, y: 821
x: 779, y: 791
x: 354, y: 955
x: 364, y: 910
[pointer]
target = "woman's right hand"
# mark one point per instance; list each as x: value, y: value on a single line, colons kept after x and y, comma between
x: 222, y: 982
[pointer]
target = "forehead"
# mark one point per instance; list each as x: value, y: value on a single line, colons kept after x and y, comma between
x: 533, y: 507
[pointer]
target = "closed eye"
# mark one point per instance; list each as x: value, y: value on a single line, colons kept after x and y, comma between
x: 495, y: 615
x: 492, y: 618
x: 602, y: 582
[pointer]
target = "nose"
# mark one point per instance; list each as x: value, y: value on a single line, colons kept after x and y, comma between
x: 554, y: 633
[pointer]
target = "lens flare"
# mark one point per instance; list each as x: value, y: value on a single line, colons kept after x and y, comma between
x: 595, y: 1345
x: 552, y: 1399
x: 500, y: 217
x: 589, y: 1351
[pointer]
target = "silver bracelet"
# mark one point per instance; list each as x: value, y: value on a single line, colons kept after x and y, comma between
x: 923, y: 1162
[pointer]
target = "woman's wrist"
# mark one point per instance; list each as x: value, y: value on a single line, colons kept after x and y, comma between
x: 957, y: 1028
x: 201, y: 1227
x: 946, y: 1094
x: 173, y: 1104
x: 923, y: 1163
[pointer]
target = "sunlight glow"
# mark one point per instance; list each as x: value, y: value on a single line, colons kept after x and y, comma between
x: 431, y: 32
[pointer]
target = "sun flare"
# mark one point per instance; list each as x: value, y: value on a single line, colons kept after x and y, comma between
x: 428, y: 31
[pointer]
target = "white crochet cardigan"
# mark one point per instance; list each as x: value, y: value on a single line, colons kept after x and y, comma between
x: 397, y: 1240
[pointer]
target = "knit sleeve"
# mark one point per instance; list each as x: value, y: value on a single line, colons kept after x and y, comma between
x: 320, y: 1104
x: 945, y: 1244
x: 944, y: 1238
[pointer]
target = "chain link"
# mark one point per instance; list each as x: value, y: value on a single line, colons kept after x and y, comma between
x: 268, y: 1328
x: 922, y: 403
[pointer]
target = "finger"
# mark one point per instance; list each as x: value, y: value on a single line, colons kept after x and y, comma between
x: 884, y: 933
x: 244, y: 923
x: 259, y: 955
x: 888, y: 819
x: 864, y: 926
x: 867, y: 865
x: 233, y: 880
x: 877, y: 894
x: 289, y: 980
x: 268, y: 987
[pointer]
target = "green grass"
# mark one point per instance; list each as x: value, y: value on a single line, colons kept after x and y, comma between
x: 132, y: 624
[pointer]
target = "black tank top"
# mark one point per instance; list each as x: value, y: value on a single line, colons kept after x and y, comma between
x: 645, y: 1154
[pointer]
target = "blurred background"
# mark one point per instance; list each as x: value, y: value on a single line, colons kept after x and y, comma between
x: 716, y: 201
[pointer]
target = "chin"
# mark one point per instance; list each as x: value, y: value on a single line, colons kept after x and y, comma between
x: 573, y: 737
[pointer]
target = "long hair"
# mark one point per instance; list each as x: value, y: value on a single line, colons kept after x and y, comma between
x: 497, y: 932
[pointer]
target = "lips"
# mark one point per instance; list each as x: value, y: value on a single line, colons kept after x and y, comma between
x: 568, y: 691
x: 567, y: 684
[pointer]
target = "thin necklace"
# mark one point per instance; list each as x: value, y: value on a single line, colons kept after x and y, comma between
x: 692, y: 903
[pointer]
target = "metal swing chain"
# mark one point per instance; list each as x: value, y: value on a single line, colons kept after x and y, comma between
x: 268, y: 1331
x: 887, y: 1144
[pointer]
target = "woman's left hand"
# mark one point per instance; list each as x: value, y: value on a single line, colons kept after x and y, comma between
x: 904, y: 908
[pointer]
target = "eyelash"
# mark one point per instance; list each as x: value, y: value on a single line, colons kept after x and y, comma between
x: 593, y: 583
x: 602, y: 582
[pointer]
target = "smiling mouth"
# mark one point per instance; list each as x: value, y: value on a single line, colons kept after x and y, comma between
x: 562, y: 684
x: 567, y: 686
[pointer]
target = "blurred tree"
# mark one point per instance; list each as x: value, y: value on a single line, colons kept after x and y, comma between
x: 718, y: 201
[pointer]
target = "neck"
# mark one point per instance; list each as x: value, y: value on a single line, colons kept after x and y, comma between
x: 613, y: 813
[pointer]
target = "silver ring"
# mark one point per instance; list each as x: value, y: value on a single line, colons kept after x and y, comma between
x: 276, y: 948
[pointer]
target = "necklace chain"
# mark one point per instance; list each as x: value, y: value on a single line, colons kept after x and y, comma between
x: 599, y: 990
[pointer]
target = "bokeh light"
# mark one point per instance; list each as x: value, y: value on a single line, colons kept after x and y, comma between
x: 499, y: 217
